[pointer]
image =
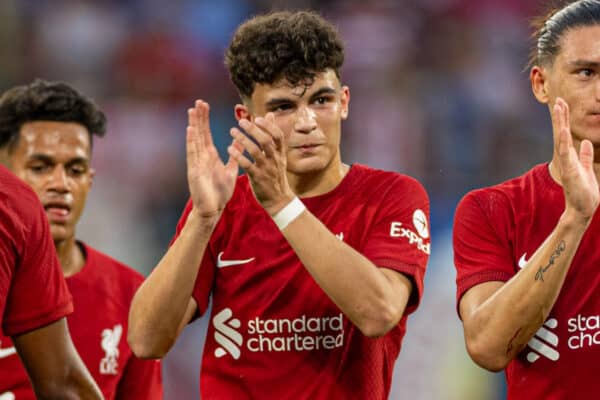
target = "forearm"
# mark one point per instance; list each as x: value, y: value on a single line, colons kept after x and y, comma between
x: 501, y: 326
x: 358, y: 287
x: 160, y: 304
x: 77, y: 385
x: 53, y: 365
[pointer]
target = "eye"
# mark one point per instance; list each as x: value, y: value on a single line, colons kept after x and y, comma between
x: 39, y: 168
x: 281, y: 107
x: 322, y: 100
x: 585, y: 73
x: 77, y: 169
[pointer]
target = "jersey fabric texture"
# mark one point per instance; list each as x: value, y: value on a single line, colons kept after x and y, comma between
x: 33, y: 292
x: 273, y: 332
x: 496, y: 230
x: 102, y: 293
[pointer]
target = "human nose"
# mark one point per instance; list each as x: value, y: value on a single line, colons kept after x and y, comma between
x: 58, y: 180
x: 306, y: 120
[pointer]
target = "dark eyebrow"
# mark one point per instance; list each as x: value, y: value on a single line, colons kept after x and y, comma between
x: 584, y: 63
x: 322, y: 91
x: 42, y: 157
x: 47, y: 159
x: 274, y: 102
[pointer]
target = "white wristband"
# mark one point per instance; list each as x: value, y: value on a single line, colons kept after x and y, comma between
x: 289, y: 213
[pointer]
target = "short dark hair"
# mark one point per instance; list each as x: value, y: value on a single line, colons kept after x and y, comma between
x: 290, y: 45
x: 550, y: 28
x: 46, y: 101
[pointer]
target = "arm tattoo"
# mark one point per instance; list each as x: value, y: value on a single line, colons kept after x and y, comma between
x: 539, y: 276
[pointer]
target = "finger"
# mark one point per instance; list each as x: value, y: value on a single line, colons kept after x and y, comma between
x: 232, y: 164
x: 261, y: 135
x: 565, y: 142
x: 236, y: 153
x: 268, y: 124
x: 191, y: 116
x: 192, y: 147
x: 252, y: 148
x: 586, y: 155
x: 556, y: 123
x: 203, y: 122
x: 566, y: 123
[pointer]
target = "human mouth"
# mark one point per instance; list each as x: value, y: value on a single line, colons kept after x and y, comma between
x: 57, y: 212
x: 306, y: 146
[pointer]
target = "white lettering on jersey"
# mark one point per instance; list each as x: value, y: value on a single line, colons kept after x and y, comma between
x: 585, y: 331
x: 274, y: 335
x: 110, y: 345
x: 398, y: 230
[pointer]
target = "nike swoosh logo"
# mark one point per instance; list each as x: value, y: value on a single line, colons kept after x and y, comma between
x: 228, y: 263
x: 9, y: 351
x: 522, y: 261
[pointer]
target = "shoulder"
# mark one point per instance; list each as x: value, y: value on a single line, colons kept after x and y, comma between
x: 18, y: 200
x: 503, y: 196
x: 22, y: 215
x: 388, y: 182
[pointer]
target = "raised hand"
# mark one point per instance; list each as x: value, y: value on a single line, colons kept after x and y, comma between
x: 576, y: 171
x: 211, y: 182
x: 268, y: 172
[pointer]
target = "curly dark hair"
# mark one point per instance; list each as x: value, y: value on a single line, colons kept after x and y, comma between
x: 550, y: 27
x: 46, y: 101
x: 290, y: 45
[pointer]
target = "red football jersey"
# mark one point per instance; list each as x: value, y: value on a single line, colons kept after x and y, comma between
x: 274, y: 334
x: 33, y: 292
x: 102, y: 293
x: 496, y: 230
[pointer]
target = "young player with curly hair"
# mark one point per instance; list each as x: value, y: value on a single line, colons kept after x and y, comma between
x: 313, y: 265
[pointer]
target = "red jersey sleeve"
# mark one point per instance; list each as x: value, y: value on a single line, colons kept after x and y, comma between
x: 206, y: 274
x: 482, y: 252
x: 38, y: 294
x: 141, y: 380
x: 399, y: 238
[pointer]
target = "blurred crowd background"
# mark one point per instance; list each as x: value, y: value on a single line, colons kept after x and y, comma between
x: 440, y: 91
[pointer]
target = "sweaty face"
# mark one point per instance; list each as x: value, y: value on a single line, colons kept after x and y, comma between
x: 54, y: 159
x: 310, y: 117
x: 575, y: 76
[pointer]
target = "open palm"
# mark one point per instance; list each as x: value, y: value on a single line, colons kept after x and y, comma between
x: 576, y: 171
x: 211, y: 182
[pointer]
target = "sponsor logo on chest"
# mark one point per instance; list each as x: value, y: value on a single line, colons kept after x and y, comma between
x: 276, y: 335
x: 583, y: 332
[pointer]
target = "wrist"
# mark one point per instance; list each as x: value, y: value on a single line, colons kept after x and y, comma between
x: 203, y: 220
x: 574, y: 219
x: 288, y: 213
x: 276, y: 207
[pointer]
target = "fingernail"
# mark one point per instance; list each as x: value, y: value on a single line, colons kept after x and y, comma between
x: 244, y: 123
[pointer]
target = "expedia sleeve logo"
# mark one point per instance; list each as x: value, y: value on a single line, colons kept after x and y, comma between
x: 418, y: 238
x: 276, y: 335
